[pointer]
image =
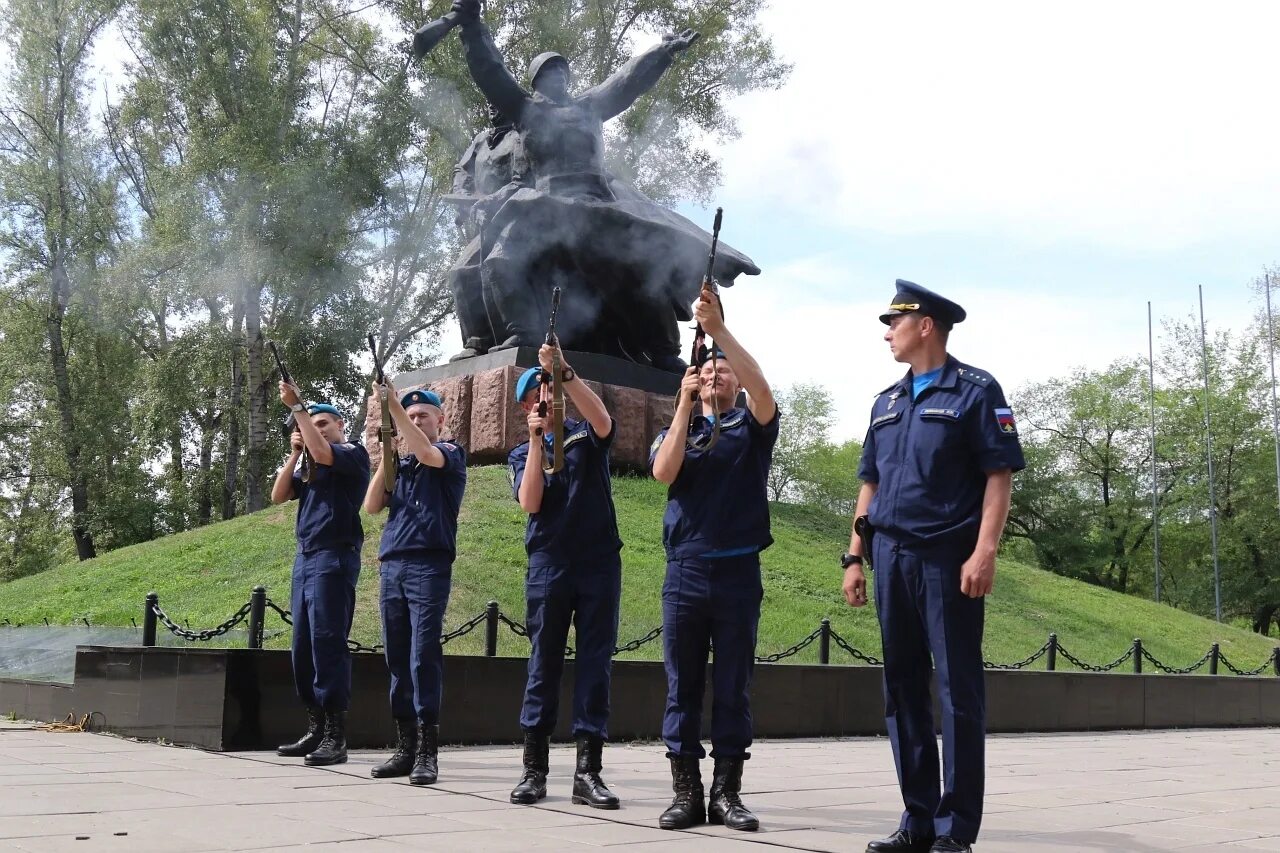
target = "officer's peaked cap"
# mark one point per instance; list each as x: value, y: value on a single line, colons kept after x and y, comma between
x: 911, y: 297
x: 540, y: 61
x: 422, y: 395
x: 527, y: 380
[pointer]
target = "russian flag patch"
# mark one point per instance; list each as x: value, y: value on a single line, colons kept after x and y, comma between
x: 1004, y: 418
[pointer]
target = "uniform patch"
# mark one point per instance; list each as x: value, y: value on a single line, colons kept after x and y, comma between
x: 892, y: 416
x: 657, y: 442
x: 448, y: 445
x: 953, y: 414
x: 1004, y: 417
x: 511, y: 474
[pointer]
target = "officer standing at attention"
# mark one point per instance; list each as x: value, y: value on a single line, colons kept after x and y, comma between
x: 715, y: 526
x: 937, y: 470
x: 575, y: 575
x: 325, y: 571
x: 417, y: 551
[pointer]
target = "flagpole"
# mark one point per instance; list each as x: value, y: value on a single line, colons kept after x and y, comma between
x: 1208, y: 445
x: 1155, y: 501
x: 1271, y: 361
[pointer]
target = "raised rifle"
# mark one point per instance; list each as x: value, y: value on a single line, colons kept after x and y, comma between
x: 551, y: 393
x: 700, y: 336
x: 291, y: 422
x: 387, y: 432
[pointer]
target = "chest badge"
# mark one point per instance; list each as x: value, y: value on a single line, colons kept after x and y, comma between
x: 893, y: 398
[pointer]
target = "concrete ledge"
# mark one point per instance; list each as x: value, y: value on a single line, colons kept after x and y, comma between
x: 241, y: 699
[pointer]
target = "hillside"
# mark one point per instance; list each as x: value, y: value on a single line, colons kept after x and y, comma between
x: 203, y: 576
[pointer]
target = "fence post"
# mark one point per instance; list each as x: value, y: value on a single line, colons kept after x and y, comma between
x: 1137, y: 656
x: 257, y: 612
x: 1051, y: 662
x: 149, y: 619
x: 491, y: 629
x: 824, y: 641
x: 1214, y: 654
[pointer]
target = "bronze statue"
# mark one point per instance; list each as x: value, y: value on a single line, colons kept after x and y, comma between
x: 629, y: 268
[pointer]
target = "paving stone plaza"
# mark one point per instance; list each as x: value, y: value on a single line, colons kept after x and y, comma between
x: 1128, y: 792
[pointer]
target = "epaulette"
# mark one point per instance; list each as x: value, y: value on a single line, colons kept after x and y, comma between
x: 977, y: 377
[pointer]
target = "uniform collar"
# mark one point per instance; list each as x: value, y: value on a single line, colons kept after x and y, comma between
x: 946, y: 379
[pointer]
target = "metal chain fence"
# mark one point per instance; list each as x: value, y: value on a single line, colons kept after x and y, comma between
x: 492, y: 617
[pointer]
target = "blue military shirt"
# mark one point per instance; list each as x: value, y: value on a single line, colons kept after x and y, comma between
x: 930, y: 456
x: 719, y: 501
x: 576, y: 522
x: 329, y: 506
x: 423, y: 513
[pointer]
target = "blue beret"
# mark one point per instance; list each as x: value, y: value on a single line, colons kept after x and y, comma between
x: 705, y: 355
x: 527, y: 380
x: 912, y: 297
x: 414, y: 398
x: 324, y: 408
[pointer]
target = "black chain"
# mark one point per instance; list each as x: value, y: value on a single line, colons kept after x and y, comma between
x: 635, y: 644
x: 284, y: 615
x: 463, y: 629
x: 794, y: 650
x: 1088, y: 667
x: 200, y: 636
x: 1022, y: 664
x: 865, y: 658
x: 1186, y: 670
x: 1258, y: 671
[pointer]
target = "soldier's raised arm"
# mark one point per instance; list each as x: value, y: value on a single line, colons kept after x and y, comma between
x: 485, y: 63
x: 637, y: 76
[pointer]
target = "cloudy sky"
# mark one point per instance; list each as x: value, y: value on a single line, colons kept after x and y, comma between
x: 1051, y: 167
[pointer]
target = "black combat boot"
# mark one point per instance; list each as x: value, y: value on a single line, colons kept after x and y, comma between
x: 533, y: 784
x: 724, y: 805
x: 333, y: 748
x: 425, y: 768
x: 310, y: 740
x: 588, y: 788
x: 902, y: 841
x: 401, y: 761
x: 687, y: 807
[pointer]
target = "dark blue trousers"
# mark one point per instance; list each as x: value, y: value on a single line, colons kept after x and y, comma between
x: 704, y: 603
x: 323, y: 601
x: 923, y: 614
x: 585, y: 595
x: 415, y: 593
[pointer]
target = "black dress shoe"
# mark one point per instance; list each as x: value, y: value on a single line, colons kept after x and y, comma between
x: 902, y: 841
x: 947, y: 844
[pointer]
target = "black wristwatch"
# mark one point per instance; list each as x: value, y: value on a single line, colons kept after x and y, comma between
x: 568, y: 375
x: 847, y: 560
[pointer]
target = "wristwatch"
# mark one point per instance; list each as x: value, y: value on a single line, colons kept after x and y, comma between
x: 847, y: 560
x: 568, y: 375
x: 297, y: 407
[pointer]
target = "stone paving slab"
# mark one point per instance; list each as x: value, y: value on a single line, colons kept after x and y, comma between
x: 1129, y: 792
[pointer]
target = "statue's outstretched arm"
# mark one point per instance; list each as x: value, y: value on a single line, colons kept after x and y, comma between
x: 490, y: 73
x: 640, y: 74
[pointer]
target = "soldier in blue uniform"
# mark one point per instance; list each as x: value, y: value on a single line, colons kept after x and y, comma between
x: 716, y: 525
x: 418, y: 547
x: 937, y: 469
x: 575, y: 575
x: 325, y: 571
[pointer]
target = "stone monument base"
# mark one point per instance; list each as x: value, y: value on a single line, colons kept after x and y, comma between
x: 482, y: 415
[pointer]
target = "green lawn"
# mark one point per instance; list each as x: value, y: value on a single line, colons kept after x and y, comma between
x: 203, y: 576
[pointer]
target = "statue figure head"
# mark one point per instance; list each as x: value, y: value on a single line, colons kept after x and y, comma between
x: 550, y: 75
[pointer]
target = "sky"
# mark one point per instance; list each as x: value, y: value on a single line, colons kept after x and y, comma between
x: 1050, y: 167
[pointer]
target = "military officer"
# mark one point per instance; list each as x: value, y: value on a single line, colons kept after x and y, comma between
x: 575, y: 576
x: 418, y: 547
x: 715, y: 526
x: 937, y: 467
x: 325, y: 571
